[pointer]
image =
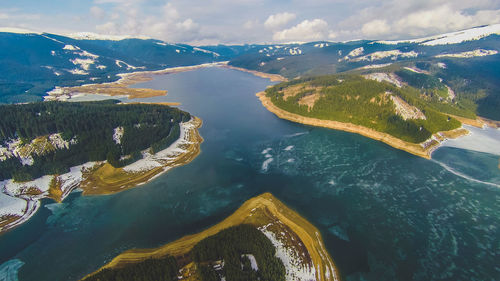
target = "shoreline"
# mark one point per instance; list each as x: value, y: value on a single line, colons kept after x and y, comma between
x: 267, y: 214
x: 272, y: 77
x: 423, y: 149
x: 87, y: 177
x: 106, y: 179
x: 120, y: 87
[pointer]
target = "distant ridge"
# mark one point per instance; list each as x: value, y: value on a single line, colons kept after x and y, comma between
x: 18, y: 30
x: 96, y: 36
x: 456, y: 37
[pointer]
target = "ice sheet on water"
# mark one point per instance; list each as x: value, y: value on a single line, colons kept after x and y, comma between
x: 9, y: 270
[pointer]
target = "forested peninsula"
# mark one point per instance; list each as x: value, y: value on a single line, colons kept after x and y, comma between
x: 262, y: 240
x: 47, y: 149
x: 401, y: 116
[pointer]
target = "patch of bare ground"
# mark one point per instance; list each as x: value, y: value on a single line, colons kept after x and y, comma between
x: 263, y: 212
x: 405, y: 110
x: 489, y: 122
x: 479, y: 123
x: 309, y: 100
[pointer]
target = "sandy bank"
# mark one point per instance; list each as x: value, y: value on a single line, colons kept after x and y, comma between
x: 424, y: 149
x: 272, y: 77
x: 121, y: 87
x: 269, y: 215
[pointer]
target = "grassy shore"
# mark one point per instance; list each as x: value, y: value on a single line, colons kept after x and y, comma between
x: 264, y: 211
x: 423, y: 150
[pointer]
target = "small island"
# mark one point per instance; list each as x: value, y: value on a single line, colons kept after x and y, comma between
x: 49, y: 149
x: 268, y: 241
x: 382, y: 109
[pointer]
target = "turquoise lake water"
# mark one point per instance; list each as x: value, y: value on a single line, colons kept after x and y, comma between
x: 383, y: 213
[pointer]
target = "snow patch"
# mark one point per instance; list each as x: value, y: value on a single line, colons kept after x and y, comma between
x: 372, y: 66
x: 118, y: 134
x: 388, y: 77
x: 18, y: 30
x: 405, y: 110
x: 161, y: 158
x: 95, y: 36
x: 295, y: 51
x: 206, y: 51
x: 83, y: 63
x: 469, y: 54
x: 71, y: 48
x: 10, y: 205
x: 452, y: 37
x: 392, y: 54
x: 121, y: 63
x: 253, y: 261
x: 321, y: 45
x: 441, y: 65
x: 77, y: 71
x: 354, y: 53
x: 288, y: 148
x: 295, y: 267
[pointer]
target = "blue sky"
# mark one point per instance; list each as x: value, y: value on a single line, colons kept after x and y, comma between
x: 251, y: 21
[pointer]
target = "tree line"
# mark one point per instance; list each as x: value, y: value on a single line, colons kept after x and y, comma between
x: 91, y: 125
x: 353, y: 99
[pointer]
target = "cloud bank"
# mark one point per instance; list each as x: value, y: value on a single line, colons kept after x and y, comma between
x: 252, y: 21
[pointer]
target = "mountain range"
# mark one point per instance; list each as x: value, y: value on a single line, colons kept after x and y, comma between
x: 31, y: 64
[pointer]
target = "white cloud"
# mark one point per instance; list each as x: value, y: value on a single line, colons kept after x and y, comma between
x: 250, y: 24
x: 170, y: 12
x: 375, y: 28
x: 442, y: 19
x: 307, y: 30
x: 107, y: 28
x: 97, y: 12
x: 187, y: 25
x: 279, y: 20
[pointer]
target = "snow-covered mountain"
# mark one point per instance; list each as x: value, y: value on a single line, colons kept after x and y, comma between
x: 475, y: 33
x: 33, y: 63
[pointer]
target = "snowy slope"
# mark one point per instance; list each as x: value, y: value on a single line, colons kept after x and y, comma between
x: 452, y: 37
x: 95, y: 36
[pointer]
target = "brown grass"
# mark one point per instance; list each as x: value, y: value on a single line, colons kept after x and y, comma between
x: 309, y: 100
x: 8, y: 219
x: 471, y: 122
x: 258, y: 211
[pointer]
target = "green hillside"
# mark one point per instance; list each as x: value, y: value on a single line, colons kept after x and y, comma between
x: 354, y: 99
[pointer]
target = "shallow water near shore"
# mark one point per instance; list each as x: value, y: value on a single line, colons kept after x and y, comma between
x: 384, y: 214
